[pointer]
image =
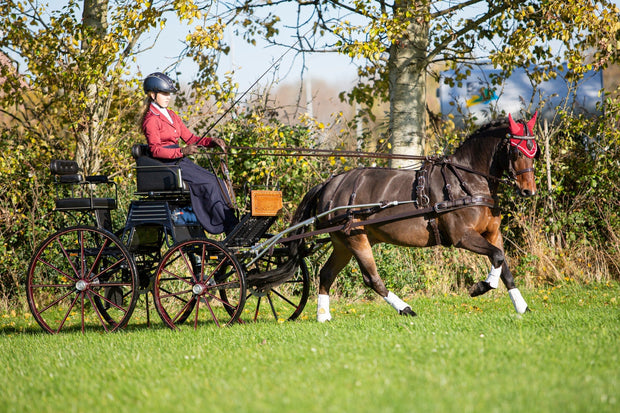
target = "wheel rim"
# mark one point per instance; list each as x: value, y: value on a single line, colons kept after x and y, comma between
x: 199, y: 281
x: 278, y: 303
x: 82, y: 278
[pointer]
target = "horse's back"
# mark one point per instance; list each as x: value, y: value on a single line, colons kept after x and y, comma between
x: 366, y: 185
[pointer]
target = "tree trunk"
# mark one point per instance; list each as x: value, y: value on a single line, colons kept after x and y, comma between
x: 90, y: 133
x: 407, y: 82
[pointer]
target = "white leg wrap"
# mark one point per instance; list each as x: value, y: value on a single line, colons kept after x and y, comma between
x: 393, y: 300
x: 493, y: 278
x: 322, y: 312
x: 517, y: 300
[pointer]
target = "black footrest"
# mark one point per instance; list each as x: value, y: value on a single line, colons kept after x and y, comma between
x: 248, y: 231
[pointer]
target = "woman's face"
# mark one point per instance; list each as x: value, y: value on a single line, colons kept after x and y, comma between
x: 161, y: 98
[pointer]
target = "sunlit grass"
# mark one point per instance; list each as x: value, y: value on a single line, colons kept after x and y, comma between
x: 459, y: 355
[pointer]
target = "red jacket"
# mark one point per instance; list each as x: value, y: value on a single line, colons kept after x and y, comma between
x: 163, y: 136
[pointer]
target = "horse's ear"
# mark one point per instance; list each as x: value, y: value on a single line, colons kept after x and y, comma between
x: 516, y: 129
x: 531, y: 123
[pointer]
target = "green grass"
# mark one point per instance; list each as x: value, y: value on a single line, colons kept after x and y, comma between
x: 459, y: 355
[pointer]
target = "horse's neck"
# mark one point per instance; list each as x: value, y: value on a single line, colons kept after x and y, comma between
x: 478, y: 155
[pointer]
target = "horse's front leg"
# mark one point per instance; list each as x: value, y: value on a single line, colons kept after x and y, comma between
x: 499, y: 269
x: 514, y: 293
x: 362, y: 251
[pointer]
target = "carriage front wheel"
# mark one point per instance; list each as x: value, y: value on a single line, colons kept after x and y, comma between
x: 82, y: 278
x: 199, y: 281
x: 280, y: 301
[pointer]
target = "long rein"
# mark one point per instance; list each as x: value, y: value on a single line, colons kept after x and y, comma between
x: 330, y: 153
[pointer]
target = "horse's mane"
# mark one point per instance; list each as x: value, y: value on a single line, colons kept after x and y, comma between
x: 489, y: 128
x: 478, y: 142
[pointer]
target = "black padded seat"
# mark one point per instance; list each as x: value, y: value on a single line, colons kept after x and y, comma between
x: 77, y: 193
x: 156, y: 178
x: 66, y: 204
x: 67, y: 175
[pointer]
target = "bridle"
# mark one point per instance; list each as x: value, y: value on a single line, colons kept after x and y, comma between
x: 521, y: 145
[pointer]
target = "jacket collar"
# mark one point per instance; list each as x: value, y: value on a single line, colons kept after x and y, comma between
x: 157, y: 110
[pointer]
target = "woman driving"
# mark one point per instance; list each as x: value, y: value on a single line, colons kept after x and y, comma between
x: 163, y: 128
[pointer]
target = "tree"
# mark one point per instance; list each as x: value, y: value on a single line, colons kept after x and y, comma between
x: 69, y: 78
x: 399, y: 43
x: 67, y: 91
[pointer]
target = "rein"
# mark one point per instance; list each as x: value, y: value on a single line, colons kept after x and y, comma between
x: 328, y: 153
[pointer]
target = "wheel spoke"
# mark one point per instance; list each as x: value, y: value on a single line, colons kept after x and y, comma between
x: 64, y: 319
x: 98, y: 313
x: 53, y: 303
x: 285, y: 300
x: 273, y: 310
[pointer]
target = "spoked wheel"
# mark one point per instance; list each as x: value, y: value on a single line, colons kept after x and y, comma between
x: 82, y: 278
x: 199, y: 281
x: 281, y: 302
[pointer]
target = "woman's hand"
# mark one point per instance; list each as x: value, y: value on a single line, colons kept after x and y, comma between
x: 189, y: 150
x: 219, y: 142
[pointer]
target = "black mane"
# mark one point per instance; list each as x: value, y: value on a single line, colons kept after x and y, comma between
x: 477, y: 148
x: 489, y: 128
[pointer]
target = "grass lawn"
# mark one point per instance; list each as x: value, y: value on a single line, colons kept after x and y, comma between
x: 459, y: 355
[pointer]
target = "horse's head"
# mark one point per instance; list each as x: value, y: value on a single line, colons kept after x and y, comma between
x: 522, y: 152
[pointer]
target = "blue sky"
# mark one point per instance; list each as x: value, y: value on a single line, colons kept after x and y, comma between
x: 251, y: 62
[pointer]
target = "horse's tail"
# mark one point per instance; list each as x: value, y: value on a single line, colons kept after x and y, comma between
x: 306, y: 209
x: 307, y: 206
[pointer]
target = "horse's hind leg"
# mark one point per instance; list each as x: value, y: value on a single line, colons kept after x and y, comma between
x: 362, y: 252
x: 338, y: 259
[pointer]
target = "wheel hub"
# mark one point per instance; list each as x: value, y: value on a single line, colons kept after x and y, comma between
x: 198, y: 289
x: 81, y: 285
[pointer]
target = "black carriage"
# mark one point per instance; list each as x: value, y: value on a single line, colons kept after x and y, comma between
x: 87, y: 277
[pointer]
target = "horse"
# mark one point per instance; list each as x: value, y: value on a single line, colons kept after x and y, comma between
x: 450, y: 201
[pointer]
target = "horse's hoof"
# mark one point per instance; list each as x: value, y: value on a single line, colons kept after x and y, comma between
x: 323, y: 316
x: 407, y: 311
x: 479, y: 288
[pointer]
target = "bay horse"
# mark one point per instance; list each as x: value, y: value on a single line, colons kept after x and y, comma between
x: 450, y: 201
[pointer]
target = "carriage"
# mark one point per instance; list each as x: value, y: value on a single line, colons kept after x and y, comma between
x: 90, y: 277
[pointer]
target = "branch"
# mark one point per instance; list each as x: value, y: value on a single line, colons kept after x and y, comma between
x: 450, y: 10
x: 466, y: 28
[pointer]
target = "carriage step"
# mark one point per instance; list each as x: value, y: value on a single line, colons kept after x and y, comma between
x: 249, y: 230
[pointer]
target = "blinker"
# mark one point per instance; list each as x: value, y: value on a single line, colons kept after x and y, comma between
x: 528, y: 147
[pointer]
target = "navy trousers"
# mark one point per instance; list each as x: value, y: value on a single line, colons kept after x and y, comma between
x: 210, y: 200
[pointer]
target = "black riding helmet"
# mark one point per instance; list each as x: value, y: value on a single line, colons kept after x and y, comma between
x: 159, y: 82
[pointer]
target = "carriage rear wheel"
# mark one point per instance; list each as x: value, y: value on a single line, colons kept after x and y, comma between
x: 284, y: 301
x: 200, y: 281
x: 82, y: 278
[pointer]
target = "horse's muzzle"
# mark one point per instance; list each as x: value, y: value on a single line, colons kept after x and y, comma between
x: 527, y: 192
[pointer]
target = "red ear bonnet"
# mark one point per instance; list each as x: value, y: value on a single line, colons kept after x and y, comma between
x: 521, y: 138
x: 516, y: 129
x: 530, y: 125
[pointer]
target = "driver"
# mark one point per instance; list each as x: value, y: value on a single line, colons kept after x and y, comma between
x: 163, y: 128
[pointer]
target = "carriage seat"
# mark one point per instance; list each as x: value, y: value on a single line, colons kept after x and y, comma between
x: 155, y: 178
x: 75, y: 192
